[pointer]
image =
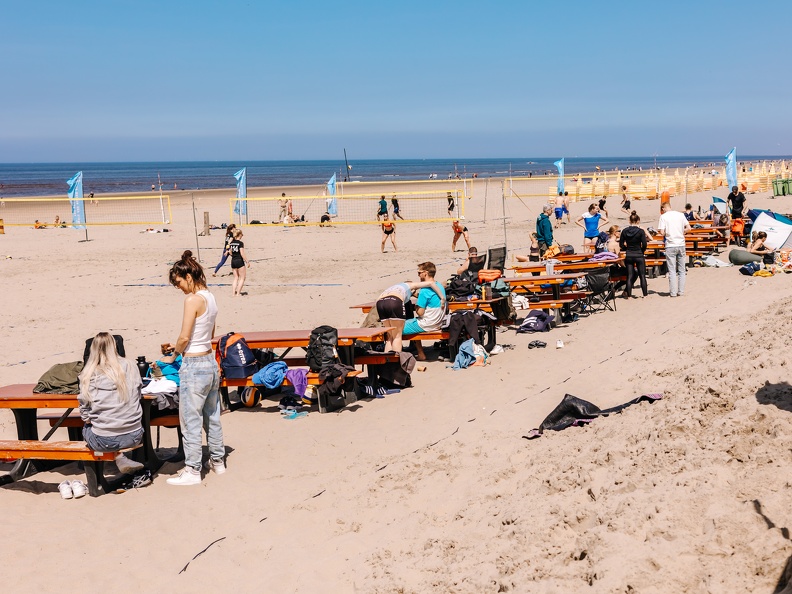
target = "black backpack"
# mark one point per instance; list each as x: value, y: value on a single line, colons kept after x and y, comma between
x: 461, y: 286
x: 321, y: 351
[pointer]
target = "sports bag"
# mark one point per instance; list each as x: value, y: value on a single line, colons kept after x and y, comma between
x: 536, y: 321
x: 460, y: 287
x: 750, y: 268
x: 322, y: 348
x: 235, y: 357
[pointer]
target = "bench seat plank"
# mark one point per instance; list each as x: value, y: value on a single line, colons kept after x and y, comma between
x: 51, y: 450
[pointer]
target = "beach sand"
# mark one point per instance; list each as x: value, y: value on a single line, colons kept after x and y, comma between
x: 432, y: 489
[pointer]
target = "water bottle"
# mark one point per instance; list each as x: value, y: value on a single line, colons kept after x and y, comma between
x: 142, y: 365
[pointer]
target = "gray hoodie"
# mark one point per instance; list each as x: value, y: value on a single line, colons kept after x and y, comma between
x: 105, y: 412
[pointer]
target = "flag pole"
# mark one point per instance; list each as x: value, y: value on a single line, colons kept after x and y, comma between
x: 346, y: 177
x: 195, y: 226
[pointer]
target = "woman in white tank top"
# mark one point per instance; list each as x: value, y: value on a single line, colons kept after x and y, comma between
x: 199, y: 400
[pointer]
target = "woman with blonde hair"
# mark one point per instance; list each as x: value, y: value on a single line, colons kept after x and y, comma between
x: 110, y: 402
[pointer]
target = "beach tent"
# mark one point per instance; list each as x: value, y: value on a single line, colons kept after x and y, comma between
x: 720, y: 205
x: 779, y: 232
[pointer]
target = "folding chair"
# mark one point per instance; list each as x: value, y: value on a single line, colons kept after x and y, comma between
x: 476, y: 263
x: 603, y: 291
x: 497, y: 258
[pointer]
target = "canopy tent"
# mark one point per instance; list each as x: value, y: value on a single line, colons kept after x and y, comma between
x: 779, y: 233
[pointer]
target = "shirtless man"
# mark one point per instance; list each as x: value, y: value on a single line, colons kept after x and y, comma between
x: 282, y: 204
x: 559, y: 209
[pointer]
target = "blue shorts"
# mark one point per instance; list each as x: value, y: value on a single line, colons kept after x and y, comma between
x: 559, y: 211
x: 412, y: 327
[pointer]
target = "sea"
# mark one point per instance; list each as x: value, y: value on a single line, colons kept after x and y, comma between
x: 49, y: 179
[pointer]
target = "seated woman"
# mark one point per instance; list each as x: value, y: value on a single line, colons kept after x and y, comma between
x: 110, y: 402
x: 473, y: 262
x: 690, y: 215
x: 758, y: 247
x: 534, y: 255
x: 392, y: 310
x: 613, y: 240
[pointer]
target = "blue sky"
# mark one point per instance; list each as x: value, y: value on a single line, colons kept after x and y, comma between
x: 200, y: 80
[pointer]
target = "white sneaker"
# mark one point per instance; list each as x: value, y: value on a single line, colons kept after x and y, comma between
x: 187, y: 477
x: 79, y: 489
x: 218, y: 466
x: 65, y: 490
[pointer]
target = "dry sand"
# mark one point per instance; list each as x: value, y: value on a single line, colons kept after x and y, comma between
x: 432, y: 489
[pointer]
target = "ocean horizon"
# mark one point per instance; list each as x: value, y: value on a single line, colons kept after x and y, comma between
x: 19, y: 180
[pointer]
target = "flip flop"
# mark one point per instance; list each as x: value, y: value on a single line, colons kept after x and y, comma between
x: 540, y: 344
x: 532, y: 344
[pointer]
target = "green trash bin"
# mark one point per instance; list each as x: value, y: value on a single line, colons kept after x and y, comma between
x: 787, y: 187
x: 778, y: 187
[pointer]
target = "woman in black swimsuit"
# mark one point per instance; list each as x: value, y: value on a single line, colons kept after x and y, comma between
x: 239, y: 263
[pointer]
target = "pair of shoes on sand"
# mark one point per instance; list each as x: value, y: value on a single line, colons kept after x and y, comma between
x: 537, y: 344
x: 189, y: 476
x: 72, y: 489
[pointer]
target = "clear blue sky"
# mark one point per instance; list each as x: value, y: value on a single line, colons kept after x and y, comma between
x: 205, y: 80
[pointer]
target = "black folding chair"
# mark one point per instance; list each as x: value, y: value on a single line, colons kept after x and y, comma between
x: 497, y: 258
x: 602, y: 291
x: 476, y: 263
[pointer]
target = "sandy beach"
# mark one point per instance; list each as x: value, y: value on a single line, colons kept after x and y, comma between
x: 432, y: 489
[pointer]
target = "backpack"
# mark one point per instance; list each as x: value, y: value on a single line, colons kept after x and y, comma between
x: 503, y: 310
x: 234, y: 356
x: 321, y: 351
x: 750, y: 268
x: 602, y: 243
x: 460, y: 286
x: 536, y: 321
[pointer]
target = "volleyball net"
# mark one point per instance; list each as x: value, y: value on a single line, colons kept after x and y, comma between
x: 106, y: 210
x: 426, y: 206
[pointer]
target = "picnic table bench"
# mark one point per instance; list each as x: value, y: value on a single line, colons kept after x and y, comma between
x: 24, y: 404
x: 539, y: 267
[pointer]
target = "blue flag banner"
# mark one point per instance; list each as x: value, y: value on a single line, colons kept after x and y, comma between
x: 76, y: 199
x: 560, y: 166
x: 332, y: 206
x: 240, y: 207
x: 731, y: 168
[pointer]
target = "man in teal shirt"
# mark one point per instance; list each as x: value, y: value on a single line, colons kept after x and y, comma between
x: 429, y: 309
x: 544, y: 229
x: 383, y: 208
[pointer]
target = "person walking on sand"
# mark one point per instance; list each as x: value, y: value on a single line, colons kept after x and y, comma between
x: 566, y: 207
x: 625, y: 202
x: 239, y: 262
x: 459, y: 231
x: 199, y: 380
x: 229, y: 236
x: 559, y: 209
x: 672, y: 226
x: 388, y: 230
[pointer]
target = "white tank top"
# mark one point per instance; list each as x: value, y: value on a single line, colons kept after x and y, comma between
x: 201, y: 339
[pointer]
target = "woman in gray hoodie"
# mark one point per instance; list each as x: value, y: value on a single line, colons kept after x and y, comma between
x: 110, y: 402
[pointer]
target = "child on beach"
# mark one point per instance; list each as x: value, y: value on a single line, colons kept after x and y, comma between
x: 110, y: 402
x: 388, y: 230
x: 229, y: 236
x: 239, y: 263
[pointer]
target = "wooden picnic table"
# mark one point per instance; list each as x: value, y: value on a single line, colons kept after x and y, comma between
x: 554, y: 280
x: 24, y: 404
x: 569, y: 266
x: 288, y: 339
x: 482, y: 304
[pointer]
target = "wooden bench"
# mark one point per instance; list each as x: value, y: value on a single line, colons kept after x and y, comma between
x: 372, y: 359
x: 16, y: 449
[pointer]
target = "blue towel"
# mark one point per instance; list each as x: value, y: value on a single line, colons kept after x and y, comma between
x: 465, y: 357
x: 271, y: 376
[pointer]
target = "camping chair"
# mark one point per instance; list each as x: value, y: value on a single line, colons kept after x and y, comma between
x: 497, y: 258
x: 602, y: 291
x: 476, y: 263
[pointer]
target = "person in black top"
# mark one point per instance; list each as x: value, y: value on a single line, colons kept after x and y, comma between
x: 633, y: 242
x: 736, y: 201
x: 239, y: 263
